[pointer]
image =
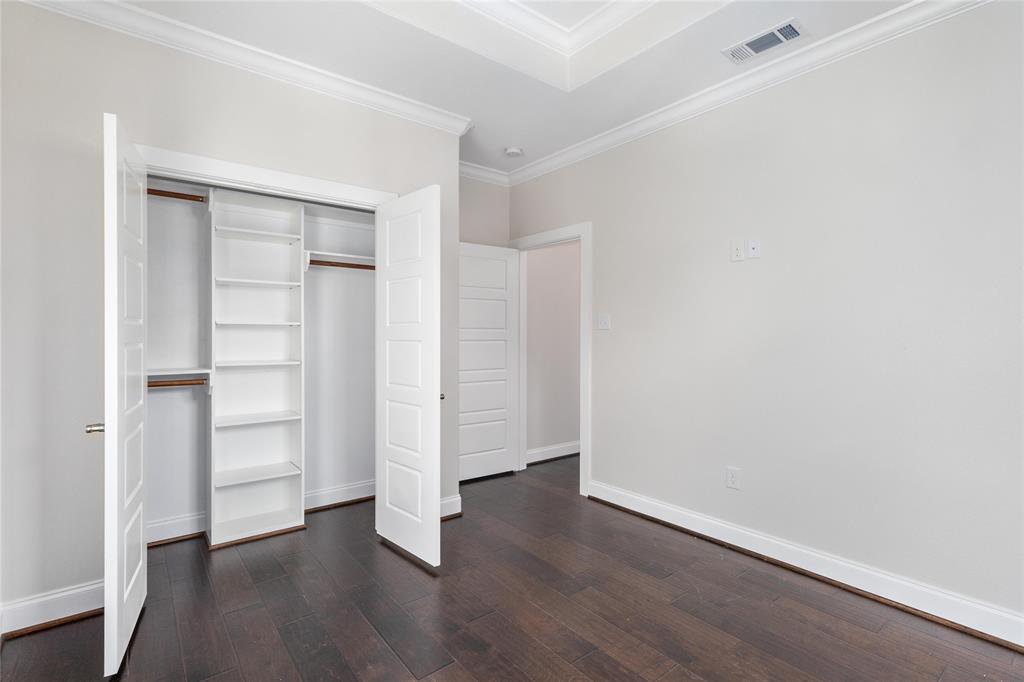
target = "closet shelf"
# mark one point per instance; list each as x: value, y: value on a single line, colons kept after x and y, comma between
x: 256, y: 235
x: 265, y: 472
x: 268, y: 522
x: 252, y: 323
x: 176, y: 371
x: 232, y: 420
x: 259, y: 283
x: 344, y: 257
x: 257, y: 363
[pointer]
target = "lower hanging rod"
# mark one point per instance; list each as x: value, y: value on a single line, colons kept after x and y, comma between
x: 171, y: 383
x: 336, y: 264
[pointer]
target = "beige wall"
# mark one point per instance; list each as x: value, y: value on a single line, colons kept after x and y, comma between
x: 59, y: 76
x: 865, y: 374
x: 483, y: 212
x: 553, y: 345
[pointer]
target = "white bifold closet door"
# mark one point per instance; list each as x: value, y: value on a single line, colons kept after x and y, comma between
x: 124, y: 319
x: 408, y: 373
x: 488, y: 360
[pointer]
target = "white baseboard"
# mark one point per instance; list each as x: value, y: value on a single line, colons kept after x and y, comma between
x: 338, y: 494
x: 571, y: 447
x: 451, y: 505
x: 977, y: 615
x: 42, y: 608
x: 175, y: 526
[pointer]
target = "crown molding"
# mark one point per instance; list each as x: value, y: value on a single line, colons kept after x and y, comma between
x: 156, y: 28
x: 549, y: 33
x: 483, y: 174
x: 893, y: 24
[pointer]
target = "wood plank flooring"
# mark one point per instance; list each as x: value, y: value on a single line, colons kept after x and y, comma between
x: 537, y: 584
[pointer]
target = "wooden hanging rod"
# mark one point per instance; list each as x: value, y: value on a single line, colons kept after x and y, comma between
x: 176, y: 195
x: 171, y: 383
x: 336, y: 264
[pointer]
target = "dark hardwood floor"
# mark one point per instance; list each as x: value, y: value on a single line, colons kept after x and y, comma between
x: 537, y: 584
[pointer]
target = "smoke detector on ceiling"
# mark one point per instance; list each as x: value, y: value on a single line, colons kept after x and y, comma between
x: 513, y: 152
x: 783, y: 33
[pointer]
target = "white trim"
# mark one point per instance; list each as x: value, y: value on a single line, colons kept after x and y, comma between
x: 210, y: 171
x: 451, y: 505
x: 545, y: 31
x: 883, y: 28
x: 534, y: 455
x: 524, y: 338
x: 957, y: 608
x: 42, y: 608
x: 157, y: 28
x: 584, y: 232
x: 339, y: 493
x: 475, y: 171
x: 175, y: 526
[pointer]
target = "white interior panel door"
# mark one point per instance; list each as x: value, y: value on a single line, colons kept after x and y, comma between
x: 124, y: 317
x: 488, y: 360
x: 408, y: 373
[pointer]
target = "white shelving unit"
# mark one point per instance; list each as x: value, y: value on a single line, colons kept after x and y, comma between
x: 257, y: 433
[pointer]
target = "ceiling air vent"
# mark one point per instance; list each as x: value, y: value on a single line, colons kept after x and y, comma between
x: 783, y: 33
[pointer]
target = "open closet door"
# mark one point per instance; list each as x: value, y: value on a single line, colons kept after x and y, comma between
x: 124, y: 277
x: 408, y: 373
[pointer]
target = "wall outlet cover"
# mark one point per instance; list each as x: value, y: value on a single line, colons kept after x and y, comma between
x: 732, y: 478
x: 753, y: 248
x: 604, y: 321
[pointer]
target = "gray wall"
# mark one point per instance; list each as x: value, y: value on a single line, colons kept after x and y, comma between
x: 59, y: 76
x: 865, y: 373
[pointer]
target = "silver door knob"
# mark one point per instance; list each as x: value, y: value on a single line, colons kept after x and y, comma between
x: 94, y: 428
x: 442, y: 396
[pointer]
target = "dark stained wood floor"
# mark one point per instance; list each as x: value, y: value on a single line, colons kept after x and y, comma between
x: 537, y: 584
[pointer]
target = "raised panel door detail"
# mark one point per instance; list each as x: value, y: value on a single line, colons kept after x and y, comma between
x: 403, y: 489
x: 404, y: 301
x: 404, y: 363
x: 483, y: 273
x: 404, y: 426
x: 482, y: 395
x: 481, y: 313
x: 405, y: 239
x: 482, y: 355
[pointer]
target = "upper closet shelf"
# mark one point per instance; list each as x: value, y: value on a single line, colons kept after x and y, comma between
x: 341, y: 257
x: 252, y: 323
x: 256, y: 235
x: 176, y: 371
x: 263, y: 283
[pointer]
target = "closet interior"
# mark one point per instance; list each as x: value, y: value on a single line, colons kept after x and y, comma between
x: 259, y: 360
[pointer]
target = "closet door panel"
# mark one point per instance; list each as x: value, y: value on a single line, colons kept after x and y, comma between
x: 408, y: 373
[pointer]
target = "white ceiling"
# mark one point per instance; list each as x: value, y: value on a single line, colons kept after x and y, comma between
x: 479, y: 59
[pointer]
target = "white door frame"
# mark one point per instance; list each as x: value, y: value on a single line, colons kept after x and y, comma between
x: 584, y: 233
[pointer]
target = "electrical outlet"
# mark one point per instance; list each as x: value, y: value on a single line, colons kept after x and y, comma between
x: 736, y: 250
x: 732, y: 478
x: 604, y: 321
x: 753, y: 248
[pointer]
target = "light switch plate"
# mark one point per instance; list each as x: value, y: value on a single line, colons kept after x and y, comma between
x: 732, y: 477
x: 737, y: 250
x: 753, y: 248
x: 604, y: 321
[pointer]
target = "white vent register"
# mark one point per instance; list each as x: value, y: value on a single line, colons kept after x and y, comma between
x: 747, y: 49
